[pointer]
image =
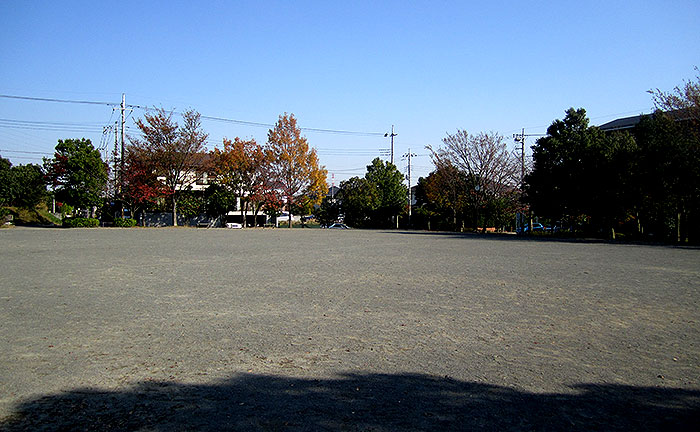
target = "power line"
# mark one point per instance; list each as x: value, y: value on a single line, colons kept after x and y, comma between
x: 271, y: 125
x: 57, y: 100
x: 50, y: 126
x: 25, y: 152
x: 342, y: 132
x: 214, y: 118
x: 52, y: 123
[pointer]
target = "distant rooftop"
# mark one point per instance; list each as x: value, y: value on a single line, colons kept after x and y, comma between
x: 622, y: 123
x: 630, y: 122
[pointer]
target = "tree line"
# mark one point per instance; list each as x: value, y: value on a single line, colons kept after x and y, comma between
x: 161, y: 165
x: 642, y: 182
x: 245, y: 175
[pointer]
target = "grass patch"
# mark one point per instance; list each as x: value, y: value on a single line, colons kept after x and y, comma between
x: 36, y: 216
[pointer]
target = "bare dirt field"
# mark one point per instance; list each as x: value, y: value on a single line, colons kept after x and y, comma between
x: 196, y: 329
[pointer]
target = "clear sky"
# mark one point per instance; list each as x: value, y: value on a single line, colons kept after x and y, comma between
x: 428, y: 68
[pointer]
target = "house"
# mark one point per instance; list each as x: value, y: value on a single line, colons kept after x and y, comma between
x: 620, y: 124
x: 629, y: 123
x: 197, y: 181
x: 333, y: 192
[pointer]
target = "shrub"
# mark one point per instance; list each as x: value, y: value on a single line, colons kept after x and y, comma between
x: 79, y: 222
x: 124, y: 223
x: 66, y: 210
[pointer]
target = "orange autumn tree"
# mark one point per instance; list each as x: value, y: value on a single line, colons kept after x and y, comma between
x: 294, y: 167
x: 241, y: 169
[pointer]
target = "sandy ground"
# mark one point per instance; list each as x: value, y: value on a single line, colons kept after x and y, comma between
x: 182, y: 329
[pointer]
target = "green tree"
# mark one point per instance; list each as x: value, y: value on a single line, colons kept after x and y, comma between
x: 359, y: 201
x: 556, y: 188
x: 671, y: 138
x: 611, y: 163
x: 581, y: 174
x: 376, y: 199
x: 667, y: 178
x: 387, y: 181
x: 219, y: 200
x: 29, y: 186
x: 6, y: 182
x: 77, y: 173
x: 5, y: 186
x: 329, y: 212
x: 191, y: 204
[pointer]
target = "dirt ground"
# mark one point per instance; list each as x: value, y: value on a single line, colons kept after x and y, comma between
x: 215, y: 329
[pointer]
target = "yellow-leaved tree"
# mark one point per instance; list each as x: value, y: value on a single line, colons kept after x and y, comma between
x: 294, y: 167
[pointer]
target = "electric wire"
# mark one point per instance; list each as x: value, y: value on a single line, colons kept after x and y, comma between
x: 214, y: 118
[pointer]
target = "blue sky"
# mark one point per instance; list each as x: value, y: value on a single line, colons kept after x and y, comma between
x: 428, y: 68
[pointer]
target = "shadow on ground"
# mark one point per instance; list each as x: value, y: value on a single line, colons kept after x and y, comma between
x: 541, y: 238
x: 357, y: 403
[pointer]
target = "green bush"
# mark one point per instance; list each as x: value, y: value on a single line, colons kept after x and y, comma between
x: 66, y: 210
x: 79, y: 222
x: 124, y: 223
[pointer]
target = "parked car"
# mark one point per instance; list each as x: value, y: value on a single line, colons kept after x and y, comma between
x: 338, y: 226
x: 535, y: 227
x: 234, y: 225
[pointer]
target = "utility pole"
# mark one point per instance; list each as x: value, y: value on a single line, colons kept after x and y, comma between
x: 410, y: 194
x: 115, y: 157
x: 392, y: 135
x: 123, y: 108
x: 333, y: 187
x: 520, y: 138
x: 118, y: 176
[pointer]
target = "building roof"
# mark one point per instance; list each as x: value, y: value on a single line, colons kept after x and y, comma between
x: 622, y: 123
x: 333, y: 191
x: 679, y: 115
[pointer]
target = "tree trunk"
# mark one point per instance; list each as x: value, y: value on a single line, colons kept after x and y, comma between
x: 256, y: 210
x: 244, y: 212
x: 639, y: 225
x: 290, y: 219
x: 174, y: 211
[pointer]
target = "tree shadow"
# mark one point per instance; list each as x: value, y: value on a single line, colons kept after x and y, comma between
x: 542, y: 238
x: 358, y: 402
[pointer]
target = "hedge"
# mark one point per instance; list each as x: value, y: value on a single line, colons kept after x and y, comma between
x: 125, y: 223
x: 79, y: 222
